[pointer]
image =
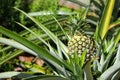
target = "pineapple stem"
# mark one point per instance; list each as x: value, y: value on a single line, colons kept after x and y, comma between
x: 87, y: 70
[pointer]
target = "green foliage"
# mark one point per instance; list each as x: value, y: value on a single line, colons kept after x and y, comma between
x: 7, y: 12
x: 46, y: 44
x: 60, y: 65
x: 40, y: 5
x: 106, y: 17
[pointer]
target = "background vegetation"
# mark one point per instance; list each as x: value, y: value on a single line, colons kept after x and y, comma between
x: 34, y: 36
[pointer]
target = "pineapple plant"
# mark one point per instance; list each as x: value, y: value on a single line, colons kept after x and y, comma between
x: 66, y: 68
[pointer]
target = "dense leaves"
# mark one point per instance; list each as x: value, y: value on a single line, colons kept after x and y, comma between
x: 44, y: 35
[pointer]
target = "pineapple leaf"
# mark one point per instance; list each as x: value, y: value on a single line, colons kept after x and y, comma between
x: 118, y: 55
x: 42, y: 52
x: 107, y: 75
x: 14, y: 74
x: 37, y: 36
x: 106, y: 17
x: 83, y: 58
x: 114, y: 24
x: 45, y: 77
x: 48, y: 32
x: 62, y: 28
x: 116, y: 76
x: 87, y: 69
x: 117, y: 37
x: 17, y: 45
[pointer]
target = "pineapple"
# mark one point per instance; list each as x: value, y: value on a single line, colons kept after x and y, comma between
x: 79, y: 43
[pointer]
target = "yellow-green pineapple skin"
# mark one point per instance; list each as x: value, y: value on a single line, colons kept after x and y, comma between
x: 79, y: 43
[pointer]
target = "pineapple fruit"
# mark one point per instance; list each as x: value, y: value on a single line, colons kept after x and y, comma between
x: 79, y: 43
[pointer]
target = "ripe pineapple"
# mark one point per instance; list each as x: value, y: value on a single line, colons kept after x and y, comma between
x: 80, y: 42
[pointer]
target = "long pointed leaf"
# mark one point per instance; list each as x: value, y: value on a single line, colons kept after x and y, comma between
x: 106, y: 17
x: 45, y: 77
x: 42, y: 52
x: 39, y: 37
x: 17, y: 45
x: 48, y: 32
x: 13, y: 74
x: 110, y: 72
